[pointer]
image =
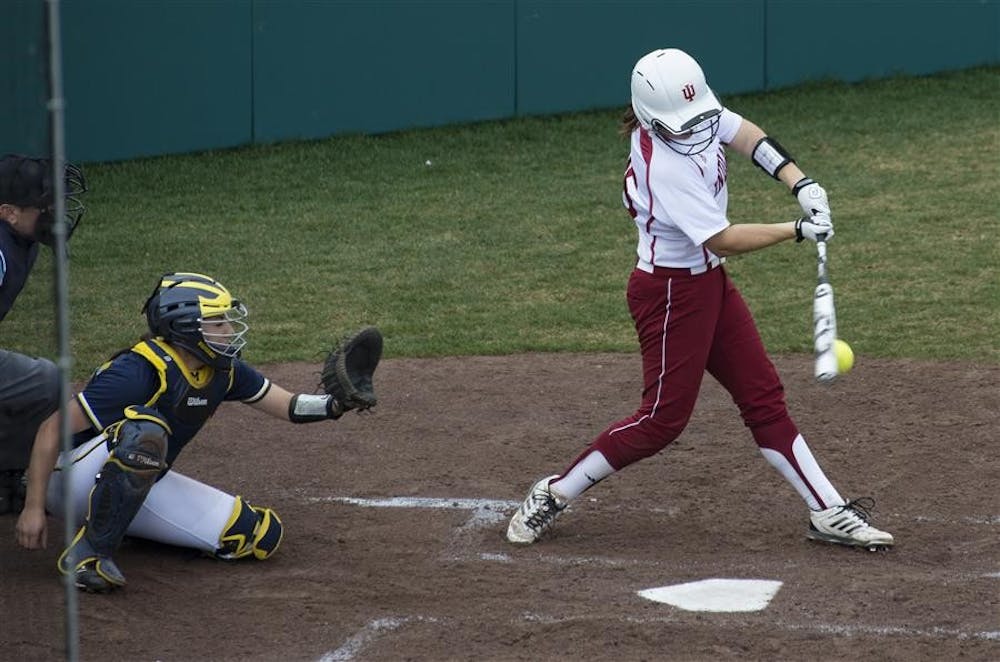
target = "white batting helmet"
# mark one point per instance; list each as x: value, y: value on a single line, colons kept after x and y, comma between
x: 671, y: 98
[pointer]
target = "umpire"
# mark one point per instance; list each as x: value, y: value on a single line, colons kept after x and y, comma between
x: 29, y: 386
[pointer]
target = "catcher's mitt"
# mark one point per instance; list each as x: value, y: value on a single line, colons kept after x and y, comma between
x: 348, y: 369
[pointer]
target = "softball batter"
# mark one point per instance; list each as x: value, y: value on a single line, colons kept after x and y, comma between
x: 688, y: 314
x: 131, y: 421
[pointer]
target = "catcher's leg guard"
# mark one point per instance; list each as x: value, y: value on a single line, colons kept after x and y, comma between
x: 250, y: 531
x: 139, y: 446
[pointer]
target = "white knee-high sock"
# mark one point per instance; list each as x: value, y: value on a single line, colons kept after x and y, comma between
x: 805, y: 475
x: 585, y: 474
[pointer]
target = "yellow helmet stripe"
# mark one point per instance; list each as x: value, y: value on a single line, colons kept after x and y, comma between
x: 220, y: 299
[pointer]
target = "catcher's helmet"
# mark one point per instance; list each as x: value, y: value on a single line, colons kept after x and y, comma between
x: 197, y: 313
x: 671, y: 98
x: 27, y: 182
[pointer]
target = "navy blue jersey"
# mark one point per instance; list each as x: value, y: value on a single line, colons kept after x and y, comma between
x: 17, y: 256
x: 152, y: 374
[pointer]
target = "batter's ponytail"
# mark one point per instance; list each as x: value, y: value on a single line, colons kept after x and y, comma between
x: 629, y: 122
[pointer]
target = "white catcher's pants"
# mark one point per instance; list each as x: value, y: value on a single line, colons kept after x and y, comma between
x: 178, y: 510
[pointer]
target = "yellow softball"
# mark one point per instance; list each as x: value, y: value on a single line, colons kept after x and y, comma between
x: 844, y: 354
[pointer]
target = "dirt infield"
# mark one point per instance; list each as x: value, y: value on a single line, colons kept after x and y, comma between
x: 394, y: 546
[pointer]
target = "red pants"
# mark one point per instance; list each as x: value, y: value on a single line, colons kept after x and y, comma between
x: 688, y: 324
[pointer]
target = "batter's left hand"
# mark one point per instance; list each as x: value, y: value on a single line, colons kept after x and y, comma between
x: 812, y: 197
x: 816, y: 228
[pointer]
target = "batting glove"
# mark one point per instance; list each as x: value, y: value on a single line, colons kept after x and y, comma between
x: 812, y: 197
x: 815, y: 228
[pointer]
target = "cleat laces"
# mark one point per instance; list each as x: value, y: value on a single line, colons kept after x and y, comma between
x: 860, y: 508
x: 542, y: 511
x: 850, y: 517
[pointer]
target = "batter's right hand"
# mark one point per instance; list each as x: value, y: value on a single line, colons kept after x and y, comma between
x: 31, y: 529
x: 813, y: 228
x: 812, y: 197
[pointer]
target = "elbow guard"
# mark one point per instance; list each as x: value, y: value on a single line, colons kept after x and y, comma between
x: 770, y: 156
x: 305, y: 408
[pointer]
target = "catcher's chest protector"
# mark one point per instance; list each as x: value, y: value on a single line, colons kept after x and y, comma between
x: 184, y: 405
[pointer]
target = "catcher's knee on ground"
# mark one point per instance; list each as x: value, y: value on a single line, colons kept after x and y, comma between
x: 138, y: 451
x: 250, y: 531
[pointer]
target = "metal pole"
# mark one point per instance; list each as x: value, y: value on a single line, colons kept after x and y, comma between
x: 56, y: 107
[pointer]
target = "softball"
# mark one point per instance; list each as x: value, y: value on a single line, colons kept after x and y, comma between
x: 844, y: 354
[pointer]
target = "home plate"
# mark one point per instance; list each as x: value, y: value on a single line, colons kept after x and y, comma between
x: 716, y: 594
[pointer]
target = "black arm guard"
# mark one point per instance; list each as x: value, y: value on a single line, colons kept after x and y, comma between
x: 770, y: 156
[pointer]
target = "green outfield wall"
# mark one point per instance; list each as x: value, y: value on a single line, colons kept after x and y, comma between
x: 150, y: 77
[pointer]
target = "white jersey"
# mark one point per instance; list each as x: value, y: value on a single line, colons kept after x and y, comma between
x: 678, y: 202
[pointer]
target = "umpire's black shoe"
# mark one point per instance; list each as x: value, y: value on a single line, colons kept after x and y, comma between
x: 12, y: 489
x: 5, y: 494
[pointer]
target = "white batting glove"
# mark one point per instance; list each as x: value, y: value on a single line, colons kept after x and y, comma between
x: 812, y: 197
x: 814, y: 228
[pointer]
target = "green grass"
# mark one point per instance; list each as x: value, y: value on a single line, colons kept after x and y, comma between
x: 514, y: 239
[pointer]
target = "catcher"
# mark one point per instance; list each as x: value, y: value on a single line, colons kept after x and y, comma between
x: 140, y: 409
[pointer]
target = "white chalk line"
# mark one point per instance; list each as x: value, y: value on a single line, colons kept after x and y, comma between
x: 484, y: 511
x: 373, y: 629
x: 989, y: 520
x: 487, y: 511
x: 503, y: 557
x: 821, y: 628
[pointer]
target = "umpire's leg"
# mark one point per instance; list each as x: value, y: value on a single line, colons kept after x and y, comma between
x: 29, y: 393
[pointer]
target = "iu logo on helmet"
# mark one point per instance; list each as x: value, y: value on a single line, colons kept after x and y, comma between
x: 688, y: 92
